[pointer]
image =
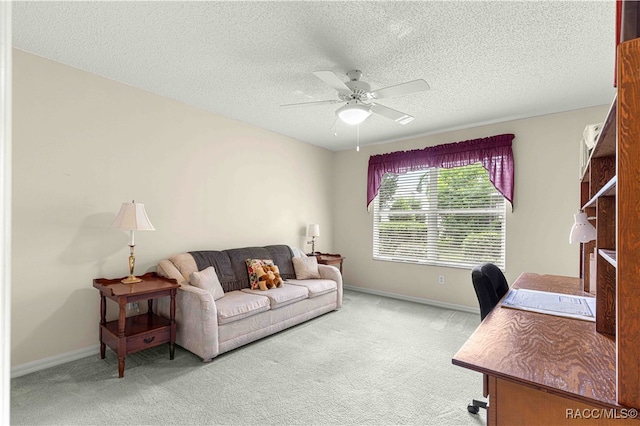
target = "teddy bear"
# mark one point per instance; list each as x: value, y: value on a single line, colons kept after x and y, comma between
x: 268, y: 277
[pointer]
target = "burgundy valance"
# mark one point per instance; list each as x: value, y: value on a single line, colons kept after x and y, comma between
x: 494, y: 153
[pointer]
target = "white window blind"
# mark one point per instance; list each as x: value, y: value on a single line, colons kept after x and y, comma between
x: 447, y: 217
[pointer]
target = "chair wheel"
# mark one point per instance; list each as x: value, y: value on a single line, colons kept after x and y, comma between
x: 473, y: 409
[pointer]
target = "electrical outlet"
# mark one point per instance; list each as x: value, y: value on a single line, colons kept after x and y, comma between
x: 440, y: 279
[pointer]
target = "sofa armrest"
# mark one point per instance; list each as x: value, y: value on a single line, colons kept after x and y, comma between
x: 196, y: 320
x: 330, y: 272
x: 167, y: 269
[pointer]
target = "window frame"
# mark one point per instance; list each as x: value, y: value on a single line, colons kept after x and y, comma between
x: 435, y: 255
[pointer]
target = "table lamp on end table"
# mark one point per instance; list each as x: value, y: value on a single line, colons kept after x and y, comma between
x: 132, y: 217
x: 313, y: 231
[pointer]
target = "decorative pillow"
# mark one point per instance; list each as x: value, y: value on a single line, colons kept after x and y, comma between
x: 252, y: 269
x: 297, y: 252
x: 207, y: 279
x: 306, y: 267
x: 268, y: 277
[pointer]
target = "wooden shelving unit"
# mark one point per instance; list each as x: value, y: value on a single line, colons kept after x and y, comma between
x: 609, y: 256
x: 599, y: 181
x: 610, y: 196
x: 628, y: 224
x: 609, y: 189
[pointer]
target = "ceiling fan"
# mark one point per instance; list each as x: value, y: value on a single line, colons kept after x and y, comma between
x: 359, y: 97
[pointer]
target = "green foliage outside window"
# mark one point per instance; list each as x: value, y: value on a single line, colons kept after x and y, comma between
x: 464, y: 210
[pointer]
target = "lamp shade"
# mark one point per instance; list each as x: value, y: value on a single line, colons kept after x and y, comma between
x: 132, y: 217
x: 314, y: 230
x: 353, y: 113
x: 582, y: 231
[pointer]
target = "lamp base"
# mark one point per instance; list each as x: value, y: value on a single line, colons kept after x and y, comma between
x: 132, y: 263
x: 130, y: 280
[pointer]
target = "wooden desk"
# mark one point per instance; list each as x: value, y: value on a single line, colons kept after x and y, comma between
x: 537, y: 366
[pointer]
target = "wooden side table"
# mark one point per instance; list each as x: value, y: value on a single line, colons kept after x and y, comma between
x: 329, y: 259
x: 132, y: 334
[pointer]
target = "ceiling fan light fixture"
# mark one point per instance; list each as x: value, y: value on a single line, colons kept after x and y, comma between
x: 353, y: 113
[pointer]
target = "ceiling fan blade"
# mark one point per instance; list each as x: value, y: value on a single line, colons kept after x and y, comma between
x: 400, y: 89
x: 310, y: 103
x: 397, y: 116
x: 334, y: 81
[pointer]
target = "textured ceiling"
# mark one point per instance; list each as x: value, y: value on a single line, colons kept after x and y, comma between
x: 485, y: 61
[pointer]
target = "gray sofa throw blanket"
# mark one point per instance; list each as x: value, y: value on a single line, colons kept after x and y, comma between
x: 220, y: 262
x: 231, y: 266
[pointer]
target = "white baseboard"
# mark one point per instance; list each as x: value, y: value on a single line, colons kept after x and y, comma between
x: 437, y: 303
x: 41, y: 364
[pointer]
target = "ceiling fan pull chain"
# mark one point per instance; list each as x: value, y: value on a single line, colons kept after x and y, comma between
x: 358, y: 138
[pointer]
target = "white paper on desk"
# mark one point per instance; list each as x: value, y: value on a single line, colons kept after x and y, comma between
x: 564, y: 305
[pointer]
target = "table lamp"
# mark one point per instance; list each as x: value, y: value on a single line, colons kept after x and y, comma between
x: 132, y: 217
x: 313, y: 231
x: 582, y: 231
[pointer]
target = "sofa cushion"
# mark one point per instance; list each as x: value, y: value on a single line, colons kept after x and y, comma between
x: 297, y: 252
x: 207, y: 280
x: 316, y: 287
x: 236, y: 305
x: 306, y: 267
x: 185, y: 264
x: 281, y: 296
x: 252, y: 270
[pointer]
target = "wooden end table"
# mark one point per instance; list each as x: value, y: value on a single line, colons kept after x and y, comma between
x: 135, y: 333
x: 329, y: 259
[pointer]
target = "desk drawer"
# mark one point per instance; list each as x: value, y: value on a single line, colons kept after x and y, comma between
x: 148, y: 340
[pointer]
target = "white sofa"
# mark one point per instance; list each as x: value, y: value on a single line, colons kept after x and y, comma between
x: 209, y: 327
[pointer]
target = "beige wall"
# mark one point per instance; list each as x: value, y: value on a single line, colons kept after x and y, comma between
x: 546, y: 151
x: 83, y: 144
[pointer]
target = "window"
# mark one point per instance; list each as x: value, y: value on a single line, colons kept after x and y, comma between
x: 447, y: 217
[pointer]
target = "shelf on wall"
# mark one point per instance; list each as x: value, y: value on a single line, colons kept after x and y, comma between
x: 610, y: 256
x: 608, y: 190
x: 606, y: 143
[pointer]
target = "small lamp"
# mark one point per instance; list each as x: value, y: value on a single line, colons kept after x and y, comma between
x: 132, y: 217
x: 313, y: 231
x: 582, y: 231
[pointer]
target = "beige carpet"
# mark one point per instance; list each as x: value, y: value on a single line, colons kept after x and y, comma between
x: 377, y: 361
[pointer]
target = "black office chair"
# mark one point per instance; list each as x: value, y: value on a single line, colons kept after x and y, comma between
x: 490, y: 285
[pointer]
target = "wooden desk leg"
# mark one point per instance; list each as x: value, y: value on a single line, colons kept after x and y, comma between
x: 485, y: 385
x: 492, y: 409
